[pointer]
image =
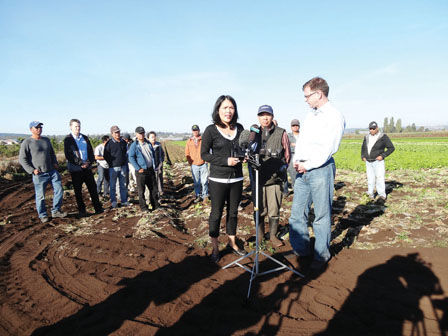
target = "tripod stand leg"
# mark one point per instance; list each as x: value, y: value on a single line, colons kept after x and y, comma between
x: 253, y: 273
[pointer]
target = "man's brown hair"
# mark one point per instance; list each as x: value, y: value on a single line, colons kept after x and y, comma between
x: 317, y: 83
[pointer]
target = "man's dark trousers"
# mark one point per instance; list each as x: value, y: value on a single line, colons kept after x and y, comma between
x: 147, y: 178
x: 85, y: 176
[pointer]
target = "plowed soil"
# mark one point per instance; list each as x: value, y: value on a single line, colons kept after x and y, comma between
x: 127, y: 273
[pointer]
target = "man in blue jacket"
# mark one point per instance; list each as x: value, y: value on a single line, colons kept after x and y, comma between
x: 141, y: 156
x: 375, y: 148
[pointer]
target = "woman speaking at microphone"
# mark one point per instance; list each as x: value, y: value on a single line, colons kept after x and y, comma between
x: 226, y: 173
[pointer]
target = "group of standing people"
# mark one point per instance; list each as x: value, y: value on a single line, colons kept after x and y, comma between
x: 313, y: 164
x: 306, y: 155
x: 114, y: 156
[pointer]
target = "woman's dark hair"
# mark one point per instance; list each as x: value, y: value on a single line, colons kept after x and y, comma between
x: 215, y: 114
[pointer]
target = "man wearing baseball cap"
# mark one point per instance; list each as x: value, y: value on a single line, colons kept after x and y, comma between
x: 274, y: 147
x: 375, y: 148
x: 115, y: 153
x: 141, y: 155
x: 37, y: 157
x: 199, y: 169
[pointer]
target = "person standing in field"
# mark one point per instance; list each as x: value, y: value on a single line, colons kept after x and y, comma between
x: 159, y: 157
x: 131, y: 179
x: 141, y: 155
x: 274, y: 143
x: 199, y: 169
x: 319, y: 139
x: 226, y: 172
x: 115, y: 154
x: 375, y: 148
x: 79, y: 154
x: 37, y: 157
x: 293, y: 136
x: 103, y: 169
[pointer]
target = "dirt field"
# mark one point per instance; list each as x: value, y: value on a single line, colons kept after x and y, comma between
x: 124, y: 273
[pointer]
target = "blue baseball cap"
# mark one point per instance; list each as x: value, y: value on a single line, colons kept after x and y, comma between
x: 265, y: 108
x: 35, y: 123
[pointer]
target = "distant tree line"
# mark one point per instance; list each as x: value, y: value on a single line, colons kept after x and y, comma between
x: 390, y: 126
x: 8, y: 151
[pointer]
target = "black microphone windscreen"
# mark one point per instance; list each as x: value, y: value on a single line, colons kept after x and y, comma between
x: 244, y: 138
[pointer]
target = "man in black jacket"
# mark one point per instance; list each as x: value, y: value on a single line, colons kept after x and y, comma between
x: 79, y: 154
x: 115, y: 154
x: 375, y: 148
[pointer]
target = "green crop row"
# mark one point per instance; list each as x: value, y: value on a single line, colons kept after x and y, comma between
x: 410, y: 153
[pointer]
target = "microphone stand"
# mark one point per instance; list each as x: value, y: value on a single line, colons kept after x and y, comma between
x: 254, y: 272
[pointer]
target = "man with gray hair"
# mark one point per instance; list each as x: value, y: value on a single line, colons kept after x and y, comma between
x: 37, y: 157
x: 79, y: 154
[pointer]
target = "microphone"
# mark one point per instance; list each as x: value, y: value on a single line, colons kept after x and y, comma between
x: 244, y: 139
x: 255, y: 128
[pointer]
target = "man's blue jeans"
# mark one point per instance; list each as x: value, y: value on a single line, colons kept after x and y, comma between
x: 40, y: 185
x: 313, y: 187
x: 119, y: 173
x: 375, y: 176
x: 200, y: 178
x: 103, y: 177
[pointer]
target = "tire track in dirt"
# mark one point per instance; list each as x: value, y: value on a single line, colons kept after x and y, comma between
x: 130, y: 273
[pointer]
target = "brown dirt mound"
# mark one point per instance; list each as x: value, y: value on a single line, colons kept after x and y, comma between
x: 125, y: 273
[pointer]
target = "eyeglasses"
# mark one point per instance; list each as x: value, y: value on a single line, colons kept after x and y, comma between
x: 308, y: 96
x: 372, y: 128
x: 37, y: 127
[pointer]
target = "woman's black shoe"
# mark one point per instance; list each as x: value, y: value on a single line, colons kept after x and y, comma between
x: 238, y: 252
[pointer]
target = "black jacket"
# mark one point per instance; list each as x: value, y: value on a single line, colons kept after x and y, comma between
x: 215, y: 149
x: 72, y: 154
x: 383, y: 146
x: 115, y: 153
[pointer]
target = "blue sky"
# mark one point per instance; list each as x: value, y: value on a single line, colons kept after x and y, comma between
x: 162, y: 64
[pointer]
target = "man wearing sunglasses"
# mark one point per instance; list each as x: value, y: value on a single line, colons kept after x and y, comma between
x: 319, y: 139
x: 37, y: 157
x: 375, y: 148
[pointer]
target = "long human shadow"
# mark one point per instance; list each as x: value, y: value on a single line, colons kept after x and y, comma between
x: 361, y: 216
x: 388, y: 295
x: 160, y: 286
x: 226, y: 311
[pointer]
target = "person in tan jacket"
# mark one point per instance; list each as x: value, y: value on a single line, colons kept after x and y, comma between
x: 199, y: 169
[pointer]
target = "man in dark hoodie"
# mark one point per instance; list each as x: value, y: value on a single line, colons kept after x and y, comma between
x: 79, y: 154
x: 375, y: 148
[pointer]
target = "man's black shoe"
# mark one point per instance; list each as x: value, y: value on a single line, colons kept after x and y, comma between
x: 99, y: 211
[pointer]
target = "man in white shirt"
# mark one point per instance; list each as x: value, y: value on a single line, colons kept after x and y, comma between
x: 320, y: 136
x: 103, y: 168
